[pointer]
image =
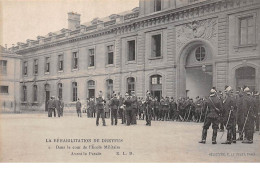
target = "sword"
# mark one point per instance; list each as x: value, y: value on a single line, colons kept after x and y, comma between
x: 226, y: 124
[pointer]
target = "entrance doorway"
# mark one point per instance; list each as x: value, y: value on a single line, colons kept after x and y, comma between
x: 198, y: 81
x: 91, y: 89
x: 47, y: 96
x: 156, y: 86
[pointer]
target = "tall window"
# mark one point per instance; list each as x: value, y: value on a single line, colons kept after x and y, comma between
x: 156, y: 79
x: 131, y: 50
x: 157, y: 5
x: 24, y: 99
x: 35, y: 93
x: 74, y: 91
x: 156, y: 46
x: 60, y: 62
x: 91, y: 57
x: 3, y: 67
x: 91, y: 88
x: 75, y: 60
x: 3, y: 89
x: 25, y: 68
x: 130, y: 84
x: 109, y: 88
x: 247, y: 30
x: 36, y: 66
x: 200, y: 53
x: 110, y: 54
x: 47, y: 64
x: 59, y: 90
x: 246, y: 76
x: 156, y: 86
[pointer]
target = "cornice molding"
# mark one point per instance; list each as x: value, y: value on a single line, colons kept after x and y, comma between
x: 192, y: 11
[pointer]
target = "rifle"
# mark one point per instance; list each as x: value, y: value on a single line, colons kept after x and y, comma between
x: 245, y: 122
x: 226, y: 123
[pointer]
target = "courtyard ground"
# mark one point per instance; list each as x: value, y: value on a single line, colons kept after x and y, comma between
x: 32, y: 137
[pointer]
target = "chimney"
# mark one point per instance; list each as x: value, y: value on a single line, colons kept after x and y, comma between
x: 73, y: 20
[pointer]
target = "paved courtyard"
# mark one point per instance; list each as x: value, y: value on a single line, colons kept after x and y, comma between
x: 33, y: 137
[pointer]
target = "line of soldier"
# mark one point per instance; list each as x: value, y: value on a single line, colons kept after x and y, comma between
x: 232, y: 109
x: 55, y: 105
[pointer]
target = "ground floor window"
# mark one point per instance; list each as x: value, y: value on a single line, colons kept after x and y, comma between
x: 74, y: 91
x: 156, y: 86
x: 130, y: 84
x: 246, y: 76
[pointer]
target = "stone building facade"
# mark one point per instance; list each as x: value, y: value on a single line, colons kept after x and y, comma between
x: 173, y: 48
x: 9, y: 81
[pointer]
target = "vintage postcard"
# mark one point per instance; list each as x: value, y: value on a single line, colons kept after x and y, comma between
x: 129, y: 81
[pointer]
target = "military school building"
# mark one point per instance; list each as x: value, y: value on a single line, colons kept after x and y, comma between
x: 172, y: 48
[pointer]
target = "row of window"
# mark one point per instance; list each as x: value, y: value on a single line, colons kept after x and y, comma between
x: 131, y: 56
x: 155, y: 80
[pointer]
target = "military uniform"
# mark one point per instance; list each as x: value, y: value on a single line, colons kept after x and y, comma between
x: 148, y: 110
x: 91, y: 108
x: 78, y: 108
x: 249, y: 116
x: 51, y: 107
x: 229, y: 119
x: 214, y: 106
x: 114, y: 109
x: 58, y: 105
x: 61, y: 107
x: 128, y: 108
x: 257, y: 111
x: 121, y: 110
x: 156, y: 109
x: 100, y: 110
x: 134, y: 109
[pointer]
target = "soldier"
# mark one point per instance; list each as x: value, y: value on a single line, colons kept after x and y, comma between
x: 58, y: 105
x: 240, y: 113
x: 121, y: 108
x: 51, y: 106
x: 229, y: 116
x: 78, y: 108
x: 114, y: 109
x: 128, y: 108
x: 221, y: 120
x: 100, y: 102
x: 198, y: 109
x: 148, y: 110
x: 61, y: 106
x: 248, y: 109
x: 257, y: 109
x: 139, y: 107
x: 156, y: 108
x: 91, y: 107
x: 214, y: 109
x: 134, y: 107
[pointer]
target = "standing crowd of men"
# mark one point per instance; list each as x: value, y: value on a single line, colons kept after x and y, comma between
x: 222, y: 110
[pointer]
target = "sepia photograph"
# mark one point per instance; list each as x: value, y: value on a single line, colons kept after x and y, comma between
x: 129, y: 81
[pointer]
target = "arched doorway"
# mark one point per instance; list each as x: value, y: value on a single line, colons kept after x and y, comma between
x: 195, y: 70
x: 246, y: 76
x: 156, y: 86
x: 47, y: 95
x: 91, y: 89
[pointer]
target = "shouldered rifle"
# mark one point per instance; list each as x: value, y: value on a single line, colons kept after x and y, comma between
x: 245, y: 122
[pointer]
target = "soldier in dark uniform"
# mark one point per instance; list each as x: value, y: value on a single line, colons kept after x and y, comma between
x: 257, y: 109
x: 58, y: 104
x: 121, y: 108
x: 78, y: 108
x: 51, y: 106
x: 134, y: 107
x: 229, y: 117
x: 214, y: 109
x: 61, y: 106
x: 128, y: 108
x: 249, y: 112
x: 156, y: 108
x: 114, y: 109
x: 221, y: 120
x: 148, y: 108
x: 100, y: 102
x: 139, y: 107
x: 240, y: 112
x: 91, y: 107
x: 198, y: 109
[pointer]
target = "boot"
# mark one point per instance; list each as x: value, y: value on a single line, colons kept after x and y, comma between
x: 204, y: 136
x: 214, y: 136
x: 241, y: 136
x: 234, y: 136
x: 228, y: 137
x: 245, y: 140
